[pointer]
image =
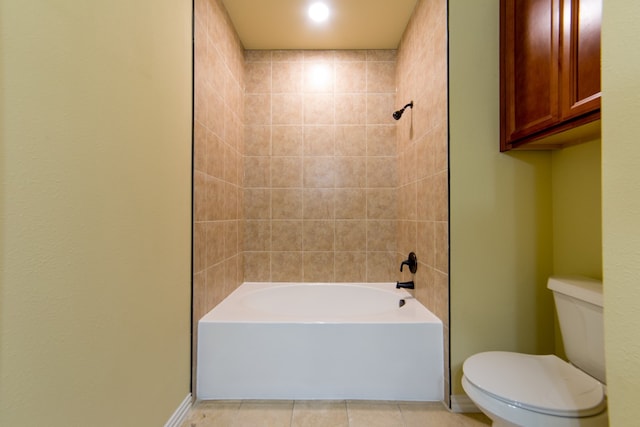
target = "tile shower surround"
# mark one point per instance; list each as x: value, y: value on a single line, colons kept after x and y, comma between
x: 320, y: 182
x: 422, y: 144
x: 298, y: 178
x: 218, y: 159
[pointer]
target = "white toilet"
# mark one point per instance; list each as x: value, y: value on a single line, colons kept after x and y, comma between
x: 515, y: 389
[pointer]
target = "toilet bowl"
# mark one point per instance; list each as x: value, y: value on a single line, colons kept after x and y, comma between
x: 516, y: 389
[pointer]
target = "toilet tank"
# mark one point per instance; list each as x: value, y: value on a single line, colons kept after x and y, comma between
x: 579, y: 304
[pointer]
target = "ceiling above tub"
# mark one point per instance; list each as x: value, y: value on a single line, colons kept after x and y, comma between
x: 352, y: 24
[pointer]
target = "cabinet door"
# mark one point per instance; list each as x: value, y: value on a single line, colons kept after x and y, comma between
x: 580, y: 57
x: 529, y: 68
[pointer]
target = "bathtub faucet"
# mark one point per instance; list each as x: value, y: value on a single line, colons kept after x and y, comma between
x: 405, y: 285
x: 411, y: 262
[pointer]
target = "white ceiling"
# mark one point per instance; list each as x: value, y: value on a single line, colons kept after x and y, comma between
x: 352, y: 24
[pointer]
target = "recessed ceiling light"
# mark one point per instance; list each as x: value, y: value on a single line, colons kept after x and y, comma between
x: 319, y: 12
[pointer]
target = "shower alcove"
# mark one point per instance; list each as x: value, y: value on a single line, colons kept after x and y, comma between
x: 301, y: 174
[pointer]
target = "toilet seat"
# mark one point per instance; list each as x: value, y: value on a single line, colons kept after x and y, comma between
x: 544, y: 384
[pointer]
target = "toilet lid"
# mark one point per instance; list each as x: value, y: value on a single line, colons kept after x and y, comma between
x: 545, y: 384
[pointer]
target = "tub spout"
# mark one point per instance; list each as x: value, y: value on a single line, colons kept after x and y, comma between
x: 405, y: 285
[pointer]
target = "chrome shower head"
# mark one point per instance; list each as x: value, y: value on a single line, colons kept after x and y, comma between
x: 398, y: 113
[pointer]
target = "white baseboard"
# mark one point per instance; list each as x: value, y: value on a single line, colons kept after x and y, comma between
x: 462, y: 403
x: 180, y: 414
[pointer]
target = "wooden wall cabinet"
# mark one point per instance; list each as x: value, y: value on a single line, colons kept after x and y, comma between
x: 549, y: 70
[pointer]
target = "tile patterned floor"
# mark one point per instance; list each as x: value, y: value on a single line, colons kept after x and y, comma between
x: 250, y: 413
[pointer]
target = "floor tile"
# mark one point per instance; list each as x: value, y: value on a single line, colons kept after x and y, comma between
x: 436, y: 415
x: 374, y: 414
x: 264, y: 414
x: 326, y: 413
x: 320, y: 413
x: 212, y: 414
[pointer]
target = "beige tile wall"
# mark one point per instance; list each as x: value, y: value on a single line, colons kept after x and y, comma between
x: 422, y: 139
x: 218, y: 158
x: 320, y: 171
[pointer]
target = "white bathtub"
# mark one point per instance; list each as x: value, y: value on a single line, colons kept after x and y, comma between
x: 320, y: 341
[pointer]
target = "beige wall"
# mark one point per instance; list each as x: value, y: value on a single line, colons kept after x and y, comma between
x: 320, y: 166
x: 94, y: 288
x: 421, y: 76
x: 577, y: 214
x: 577, y: 210
x: 621, y: 207
x: 218, y: 158
x: 501, y: 212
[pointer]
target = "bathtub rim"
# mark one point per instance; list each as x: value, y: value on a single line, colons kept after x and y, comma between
x: 228, y: 310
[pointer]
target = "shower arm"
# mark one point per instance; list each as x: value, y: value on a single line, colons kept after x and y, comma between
x: 398, y: 113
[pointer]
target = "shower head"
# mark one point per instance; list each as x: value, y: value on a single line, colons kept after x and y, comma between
x: 398, y: 113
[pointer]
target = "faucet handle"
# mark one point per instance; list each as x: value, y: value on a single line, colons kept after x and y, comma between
x: 411, y: 262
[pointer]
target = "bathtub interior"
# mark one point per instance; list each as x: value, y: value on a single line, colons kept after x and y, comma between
x: 322, y: 302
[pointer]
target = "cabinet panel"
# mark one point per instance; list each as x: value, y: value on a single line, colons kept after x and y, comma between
x: 580, y: 64
x: 530, y: 66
